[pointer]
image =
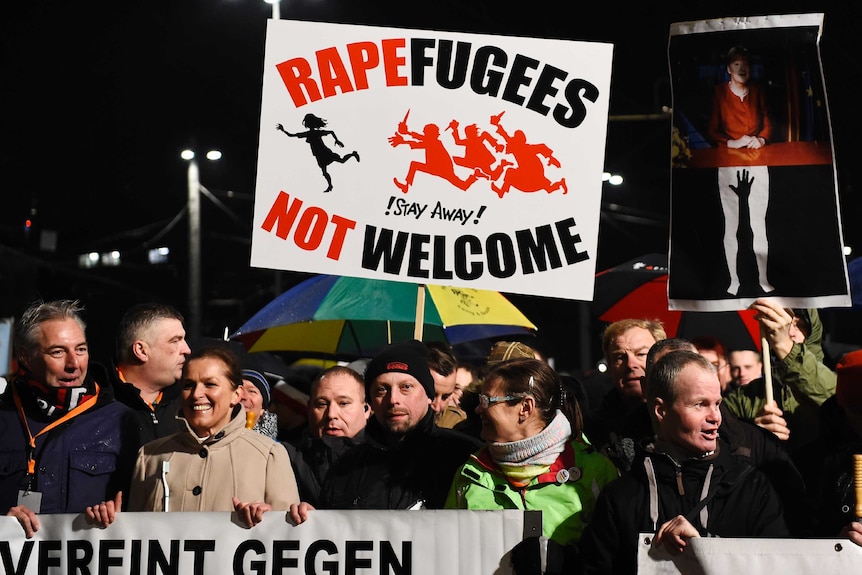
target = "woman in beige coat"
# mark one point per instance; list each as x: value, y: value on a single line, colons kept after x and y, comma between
x: 216, y: 464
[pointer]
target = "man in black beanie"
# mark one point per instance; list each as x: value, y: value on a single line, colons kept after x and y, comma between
x: 406, y: 462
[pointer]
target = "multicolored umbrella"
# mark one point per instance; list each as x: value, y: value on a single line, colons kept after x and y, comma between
x: 353, y: 317
x: 638, y: 289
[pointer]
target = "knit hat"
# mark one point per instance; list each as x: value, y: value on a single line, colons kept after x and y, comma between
x: 848, y: 390
x: 410, y: 357
x: 503, y: 350
x: 260, y: 382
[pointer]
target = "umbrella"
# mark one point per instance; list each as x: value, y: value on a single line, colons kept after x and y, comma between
x: 354, y: 317
x: 638, y: 289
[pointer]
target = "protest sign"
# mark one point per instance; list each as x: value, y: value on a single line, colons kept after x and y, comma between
x: 754, y: 201
x: 398, y: 542
x: 719, y: 556
x: 431, y: 157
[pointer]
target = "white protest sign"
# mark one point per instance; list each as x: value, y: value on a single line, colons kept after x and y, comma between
x: 719, y: 556
x: 432, y: 157
x: 398, y: 542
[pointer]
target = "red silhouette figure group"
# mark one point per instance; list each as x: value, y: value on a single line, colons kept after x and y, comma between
x: 438, y: 161
x: 526, y: 173
x: 529, y: 174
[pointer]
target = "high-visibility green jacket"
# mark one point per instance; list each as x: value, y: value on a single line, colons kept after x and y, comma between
x: 566, y: 494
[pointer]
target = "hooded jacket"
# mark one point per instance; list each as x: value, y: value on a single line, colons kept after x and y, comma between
x: 743, y: 504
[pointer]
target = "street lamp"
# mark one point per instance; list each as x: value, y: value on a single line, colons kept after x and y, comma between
x: 194, y: 208
x: 276, y: 13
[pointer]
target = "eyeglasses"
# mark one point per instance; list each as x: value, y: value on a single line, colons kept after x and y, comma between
x: 485, y: 401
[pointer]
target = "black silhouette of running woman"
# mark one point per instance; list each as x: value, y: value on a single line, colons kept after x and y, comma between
x: 314, y: 136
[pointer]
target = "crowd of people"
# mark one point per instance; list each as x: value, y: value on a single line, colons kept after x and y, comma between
x: 684, y: 443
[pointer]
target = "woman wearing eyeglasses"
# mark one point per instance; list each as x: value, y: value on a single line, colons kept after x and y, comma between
x: 535, y: 455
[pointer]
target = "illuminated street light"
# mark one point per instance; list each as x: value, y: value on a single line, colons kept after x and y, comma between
x: 194, y: 207
x: 612, y: 179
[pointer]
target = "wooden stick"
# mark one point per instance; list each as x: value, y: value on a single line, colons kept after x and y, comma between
x: 857, y: 482
x: 420, y: 312
x: 767, y: 366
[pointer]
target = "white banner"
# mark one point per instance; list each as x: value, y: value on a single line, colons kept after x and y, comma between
x: 432, y: 157
x: 351, y: 542
x: 331, y: 542
x: 751, y: 556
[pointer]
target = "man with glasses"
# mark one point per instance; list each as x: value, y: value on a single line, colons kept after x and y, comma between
x: 407, y: 461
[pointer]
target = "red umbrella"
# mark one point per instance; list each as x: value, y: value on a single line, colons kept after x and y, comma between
x: 638, y: 289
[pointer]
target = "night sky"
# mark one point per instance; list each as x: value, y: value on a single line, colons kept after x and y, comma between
x: 98, y: 98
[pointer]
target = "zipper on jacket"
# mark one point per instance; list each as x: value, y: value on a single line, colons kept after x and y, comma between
x: 679, y: 486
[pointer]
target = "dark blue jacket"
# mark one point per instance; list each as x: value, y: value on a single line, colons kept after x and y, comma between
x: 79, y: 463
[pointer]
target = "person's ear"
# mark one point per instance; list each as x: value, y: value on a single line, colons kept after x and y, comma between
x: 528, y: 406
x: 23, y: 361
x: 659, y: 408
x: 139, y: 350
x: 237, y: 396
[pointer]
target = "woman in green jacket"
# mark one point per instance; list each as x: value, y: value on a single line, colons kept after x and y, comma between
x: 535, y: 456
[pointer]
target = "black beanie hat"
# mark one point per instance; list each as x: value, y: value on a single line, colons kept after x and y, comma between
x: 410, y: 357
x: 260, y: 382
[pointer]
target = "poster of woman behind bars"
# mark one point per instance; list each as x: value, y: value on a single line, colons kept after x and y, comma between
x: 754, y: 197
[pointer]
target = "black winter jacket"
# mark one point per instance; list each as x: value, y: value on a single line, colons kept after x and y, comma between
x: 415, y: 472
x: 744, y: 505
x: 311, y: 459
x: 155, y: 423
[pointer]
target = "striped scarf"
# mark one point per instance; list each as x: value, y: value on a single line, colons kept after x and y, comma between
x: 54, y: 402
x: 522, y: 460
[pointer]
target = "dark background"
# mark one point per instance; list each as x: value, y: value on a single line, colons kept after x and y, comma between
x: 98, y: 98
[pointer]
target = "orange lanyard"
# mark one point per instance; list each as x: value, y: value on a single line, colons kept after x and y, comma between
x: 31, y: 462
x: 156, y: 402
x: 148, y: 404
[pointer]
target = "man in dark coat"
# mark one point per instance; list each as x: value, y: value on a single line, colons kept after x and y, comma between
x: 151, y: 350
x: 685, y: 483
x: 620, y: 419
x: 406, y: 462
x: 337, y: 416
x: 66, y: 443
